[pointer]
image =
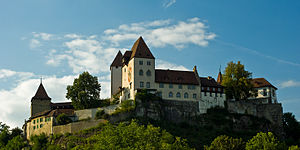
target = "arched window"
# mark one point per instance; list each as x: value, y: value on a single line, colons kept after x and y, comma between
x: 141, y: 72
x: 178, y: 95
x: 186, y: 95
x: 170, y: 94
x: 148, y: 73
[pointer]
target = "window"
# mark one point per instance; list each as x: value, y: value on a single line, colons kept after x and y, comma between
x: 170, y: 94
x: 210, y: 94
x: 273, y: 92
x: 221, y: 94
x: 148, y: 63
x: 37, y: 120
x: 193, y: 87
x: 33, y: 121
x: 124, y: 69
x: 214, y: 89
x: 148, y: 73
x: 41, y: 125
x: 141, y: 84
x: 141, y: 72
x: 204, y: 93
x: 37, y: 126
x: 41, y: 120
x: 130, y: 85
x: 189, y: 86
x: 186, y: 95
x: 161, y: 85
x: 207, y: 88
x: 148, y: 85
x: 202, y: 88
x: 194, y: 96
x: 46, y: 119
x: 219, y: 89
x: 159, y: 94
x: 216, y: 94
x: 178, y: 95
x: 141, y: 62
x: 179, y: 86
x: 170, y: 86
x: 33, y: 127
x: 265, y: 92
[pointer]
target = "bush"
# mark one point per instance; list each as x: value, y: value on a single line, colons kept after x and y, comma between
x: 294, y: 147
x: 63, y: 119
x: 39, y: 142
x: 263, y: 141
x: 126, y: 106
x: 100, y: 114
x: 224, y: 142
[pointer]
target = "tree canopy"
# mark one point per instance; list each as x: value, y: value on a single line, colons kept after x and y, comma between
x: 237, y: 81
x: 291, y: 128
x: 85, y: 92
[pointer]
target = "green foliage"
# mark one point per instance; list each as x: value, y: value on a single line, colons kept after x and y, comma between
x: 85, y: 92
x: 263, y: 141
x: 224, y: 142
x: 17, y: 143
x: 294, y: 147
x: 145, y: 96
x: 291, y: 128
x: 133, y: 136
x: 100, y: 114
x: 237, y: 81
x: 39, y: 142
x: 126, y: 106
x: 63, y: 119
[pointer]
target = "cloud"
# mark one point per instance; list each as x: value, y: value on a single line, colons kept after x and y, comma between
x: 6, y: 73
x: 43, y: 36
x: 169, y: 3
x: 289, y: 83
x: 34, y: 43
x: 161, y: 64
x: 160, y: 33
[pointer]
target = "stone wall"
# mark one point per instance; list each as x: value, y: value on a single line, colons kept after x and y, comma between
x: 76, y: 126
x: 272, y: 112
x: 173, y: 110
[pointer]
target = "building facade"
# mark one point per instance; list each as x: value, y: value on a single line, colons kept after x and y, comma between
x: 138, y: 72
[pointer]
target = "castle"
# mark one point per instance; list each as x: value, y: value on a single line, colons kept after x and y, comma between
x: 135, y: 70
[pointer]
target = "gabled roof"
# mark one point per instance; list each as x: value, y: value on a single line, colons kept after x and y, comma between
x: 54, y: 113
x: 261, y: 82
x: 118, y: 60
x: 141, y: 50
x: 175, y: 77
x: 126, y: 57
x: 209, y: 82
x: 41, y: 93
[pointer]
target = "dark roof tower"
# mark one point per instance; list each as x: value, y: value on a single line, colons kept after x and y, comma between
x: 41, y: 93
x: 117, y: 61
x: 141, y: 50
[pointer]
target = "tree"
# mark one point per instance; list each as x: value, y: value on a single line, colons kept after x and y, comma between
x: 263, y: 141
x: 224, y: 142
x: 237, y: 81
x: 63, y: 119
x: 85, y: 92
x: 291, y: 128
x: 16, y: 143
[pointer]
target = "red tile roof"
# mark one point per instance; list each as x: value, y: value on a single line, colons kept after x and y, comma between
x: 141, y: 50
x: 175, y: 77
x: 209, y: 82
x: 261, y: 82
x: 41, y: 93
x: 118, y: 60
x: 54, y: 113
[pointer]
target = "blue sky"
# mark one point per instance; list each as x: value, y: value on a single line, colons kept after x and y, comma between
x: 58, y: 39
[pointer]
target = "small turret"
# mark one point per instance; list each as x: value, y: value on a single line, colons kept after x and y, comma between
x: 40, y: 101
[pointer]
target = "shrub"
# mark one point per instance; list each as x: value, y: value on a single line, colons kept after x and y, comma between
x: 63, y: 119
x: 126, y: 106
x: 224, y: 142
x: 263, y: 141
x: 99, y: 114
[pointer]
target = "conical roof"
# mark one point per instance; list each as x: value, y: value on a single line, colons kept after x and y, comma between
x: 141, y: 50
x: 118, y: 60
x: 41, y: 93
x: 220, y: 78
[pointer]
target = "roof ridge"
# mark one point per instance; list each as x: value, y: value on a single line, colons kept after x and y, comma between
x: 41, y: 93
x: 140, y: 49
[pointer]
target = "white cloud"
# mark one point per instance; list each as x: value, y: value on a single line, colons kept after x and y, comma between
x: 72, y: 36
x: 6, y: 73
x: 161, y: 64
x: 289, y: 83
x: 34, y: 43
x: 43, y: 36
x: 169, y: 3
x: 160, y: 33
